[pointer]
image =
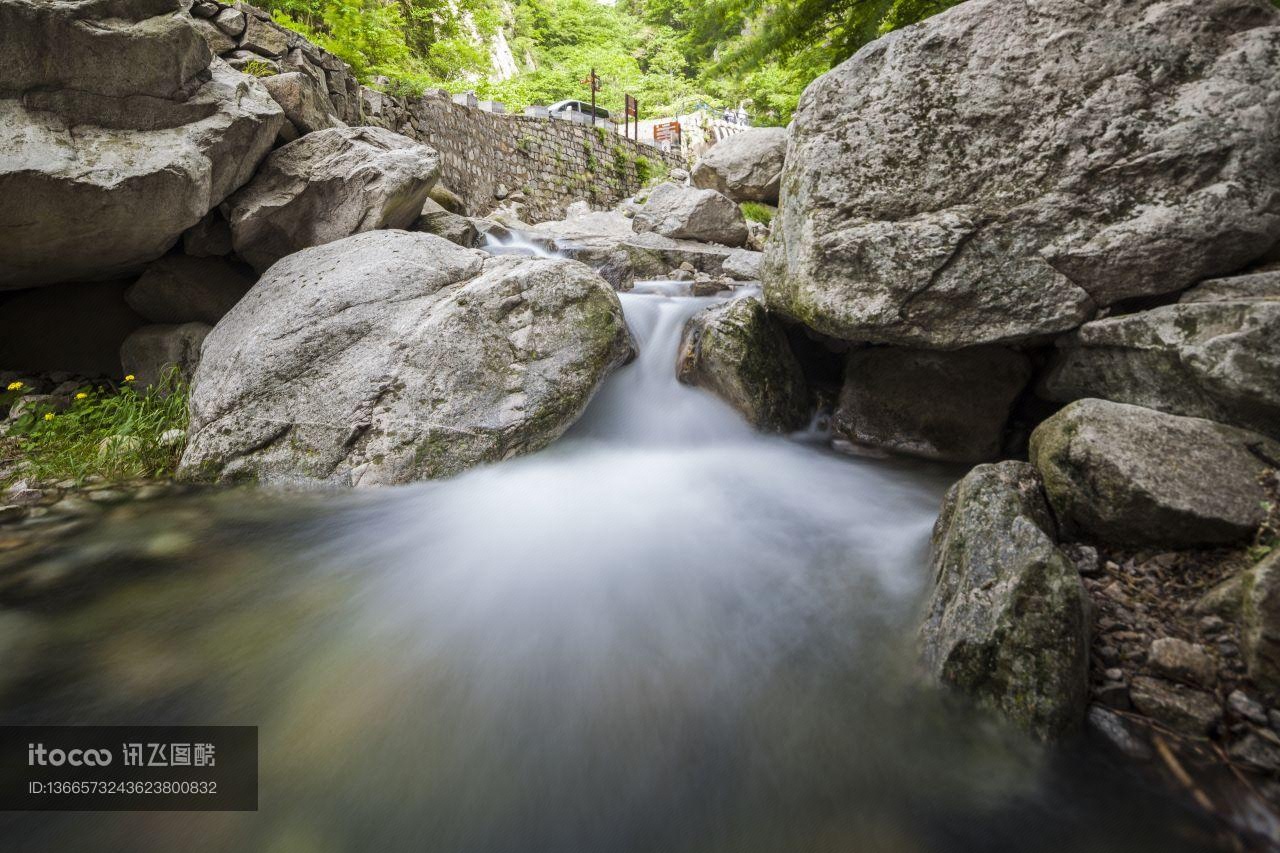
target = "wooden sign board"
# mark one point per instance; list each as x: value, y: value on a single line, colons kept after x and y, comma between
x: 667, y: 131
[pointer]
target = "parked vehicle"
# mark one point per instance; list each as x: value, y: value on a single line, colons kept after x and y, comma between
x: 568, y: 109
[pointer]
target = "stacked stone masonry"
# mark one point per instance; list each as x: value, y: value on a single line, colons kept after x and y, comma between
x: 484, y: 157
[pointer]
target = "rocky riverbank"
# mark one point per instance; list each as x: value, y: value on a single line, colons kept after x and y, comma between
x: 1058, y: 267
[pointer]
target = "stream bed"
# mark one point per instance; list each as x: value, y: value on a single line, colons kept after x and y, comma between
x: 665, y: 632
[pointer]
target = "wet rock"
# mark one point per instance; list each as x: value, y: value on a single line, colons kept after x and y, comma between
x: 684, y: 213
x: 1113, y: 729
x: 1181, y: 708
x: 152, y: 351
x: 392, y: 356
x: 448, y: 199
x: 123, y: 143
x: 929, y: 200
x: 1085, y: 558
x: 183, y: 289
x: 1257, y: 751
x: 1209, y: 359
x: 1007, y: 619
x: 1182, y: 661
x: 746, y: 166
x: 1123, y: 474
x: 328, y: 185
x: 739, y: 353
x: 949, y: 406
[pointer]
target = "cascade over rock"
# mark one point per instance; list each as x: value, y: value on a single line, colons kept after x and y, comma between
x: 740, y: 353
x: 118, y: 131
x: 392, y: 356
x: 998, y: 171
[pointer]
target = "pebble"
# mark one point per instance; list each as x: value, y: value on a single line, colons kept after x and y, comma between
x: 1114, y: 674
x: 1247, y: 708
x: 1178, y: 706
x: 106, y: 496
x: 1182, y: 661
x: 1115, y: 731
x: 1212, y: 624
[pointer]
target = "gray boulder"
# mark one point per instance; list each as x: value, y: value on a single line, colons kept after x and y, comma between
x: 740, y: 353
x: 933, y: 200
x: 1126, y: 475
x: 118, y: 132
x: 151, y: 351
x: 951, y: 406
x: 1007, y: 619
x: 1262, y: 286
x: 743, y: 265
x: 685, y: 213
x: 305, y: 103
x: 392, y: 356
x: 328, y: 185
x: 746, y: 166
x: 1203, y: 357
x: 182, y: 289
x: 434, y: 219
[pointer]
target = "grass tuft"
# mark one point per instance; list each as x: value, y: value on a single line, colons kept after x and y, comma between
x: 754, y: 211
x: 113, y: 432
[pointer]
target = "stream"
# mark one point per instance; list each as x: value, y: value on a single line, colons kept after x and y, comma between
x: 665, y: 632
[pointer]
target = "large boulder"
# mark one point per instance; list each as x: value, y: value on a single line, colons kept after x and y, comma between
x: 740, y: 353
x: 328, y: 185
x: 118, y: 131
x: 152, y: 351
x: 392, y: 356
x: 950, y: 406
x: 1007, y: 620
x: 685, y: 213
x: 1214, y: 356
x: 183, y: 289
x: 999, y: 170
x: 746, y: 166
x: 1127, y: 475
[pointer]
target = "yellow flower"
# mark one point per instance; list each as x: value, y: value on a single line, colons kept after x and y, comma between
x: 48, y: 416
x: 14, y: 386
x: 82, y: 396
x: 130, y: 378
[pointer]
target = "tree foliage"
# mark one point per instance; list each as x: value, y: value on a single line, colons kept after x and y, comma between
x: 673, y: 55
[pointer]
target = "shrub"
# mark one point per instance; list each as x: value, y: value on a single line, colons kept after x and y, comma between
x: 113, y: 432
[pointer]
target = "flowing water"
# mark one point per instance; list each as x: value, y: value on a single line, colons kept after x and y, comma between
x: 664, y: 633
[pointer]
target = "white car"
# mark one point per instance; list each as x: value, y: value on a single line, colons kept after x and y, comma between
x: 576, y: 110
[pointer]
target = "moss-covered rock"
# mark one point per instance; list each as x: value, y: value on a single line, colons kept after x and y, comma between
x: 1006, y: 623
x: 1126, y: 475
x: 740, y: 353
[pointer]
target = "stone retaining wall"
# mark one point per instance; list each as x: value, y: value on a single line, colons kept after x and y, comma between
x: 484, y: 157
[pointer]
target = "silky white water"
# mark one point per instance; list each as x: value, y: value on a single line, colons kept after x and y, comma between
x: 664, y: 632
